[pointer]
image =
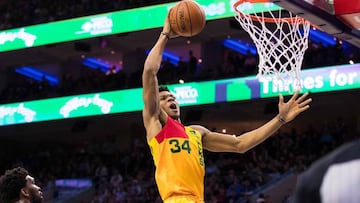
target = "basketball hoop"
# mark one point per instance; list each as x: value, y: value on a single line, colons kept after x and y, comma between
x: 281, y: 39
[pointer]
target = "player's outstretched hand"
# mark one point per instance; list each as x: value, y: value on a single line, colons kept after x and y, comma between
x: 167, y: 28
x: 289, y: 110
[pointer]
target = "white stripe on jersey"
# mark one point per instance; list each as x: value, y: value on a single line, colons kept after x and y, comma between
x: 341, y: 183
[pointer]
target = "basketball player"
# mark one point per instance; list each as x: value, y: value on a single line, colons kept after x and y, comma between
x: 177, y: 150
x: 335, y: 178
x: 17, y: 186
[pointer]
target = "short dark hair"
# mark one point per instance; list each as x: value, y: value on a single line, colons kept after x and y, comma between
x: 11, y: 184
x: 163, y: 88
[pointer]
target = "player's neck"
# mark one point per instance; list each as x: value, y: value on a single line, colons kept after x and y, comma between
x: 176, y: 119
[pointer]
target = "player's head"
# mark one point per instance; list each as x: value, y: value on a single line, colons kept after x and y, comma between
x: 168, y: 103
x: 16, y: 184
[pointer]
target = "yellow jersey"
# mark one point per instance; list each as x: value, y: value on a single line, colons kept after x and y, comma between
x: 178, y: 157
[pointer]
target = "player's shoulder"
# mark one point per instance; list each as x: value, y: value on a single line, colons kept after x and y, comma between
x: 347, y: 151
x: 201, y: 129
x: 344, y: 153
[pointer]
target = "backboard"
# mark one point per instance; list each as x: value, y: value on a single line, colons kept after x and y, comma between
x: 340, y: 18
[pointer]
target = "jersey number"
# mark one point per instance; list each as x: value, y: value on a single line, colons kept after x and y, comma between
x: 177, y: 148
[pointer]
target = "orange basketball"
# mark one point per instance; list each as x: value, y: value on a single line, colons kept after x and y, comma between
x: 187, y: 18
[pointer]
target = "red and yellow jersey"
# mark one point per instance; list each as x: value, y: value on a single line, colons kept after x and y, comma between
x: 178, y: 156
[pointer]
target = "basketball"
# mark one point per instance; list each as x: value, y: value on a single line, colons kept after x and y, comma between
x: 187, y: 18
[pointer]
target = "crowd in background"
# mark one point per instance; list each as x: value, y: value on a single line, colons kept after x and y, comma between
x: 128, y: 176
x: 90, y: 80
x: 18, y: 13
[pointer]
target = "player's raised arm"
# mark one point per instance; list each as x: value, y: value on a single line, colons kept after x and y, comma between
x: 149, y: 78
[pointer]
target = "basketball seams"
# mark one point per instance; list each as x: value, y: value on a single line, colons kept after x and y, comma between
x: 189, y: 16
x: 176, y: 17
x: 203, y: 17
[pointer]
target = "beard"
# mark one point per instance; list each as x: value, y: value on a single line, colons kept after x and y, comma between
x: 36, y: 198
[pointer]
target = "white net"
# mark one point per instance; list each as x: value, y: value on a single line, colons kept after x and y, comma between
x: 281, y: 39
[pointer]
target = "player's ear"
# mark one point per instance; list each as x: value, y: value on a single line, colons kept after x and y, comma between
x: 24, y: 192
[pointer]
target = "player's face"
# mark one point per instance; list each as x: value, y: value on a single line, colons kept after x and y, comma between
x: 35, y: 194
x: 169, y: 104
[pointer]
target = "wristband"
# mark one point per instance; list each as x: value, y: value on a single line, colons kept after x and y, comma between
x: 281, y: 119
x: 166, y: 34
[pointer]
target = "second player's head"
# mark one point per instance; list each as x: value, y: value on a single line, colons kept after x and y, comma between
x: 16, y: 184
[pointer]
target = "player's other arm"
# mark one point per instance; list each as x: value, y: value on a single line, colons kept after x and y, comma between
x: 219, y: 142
